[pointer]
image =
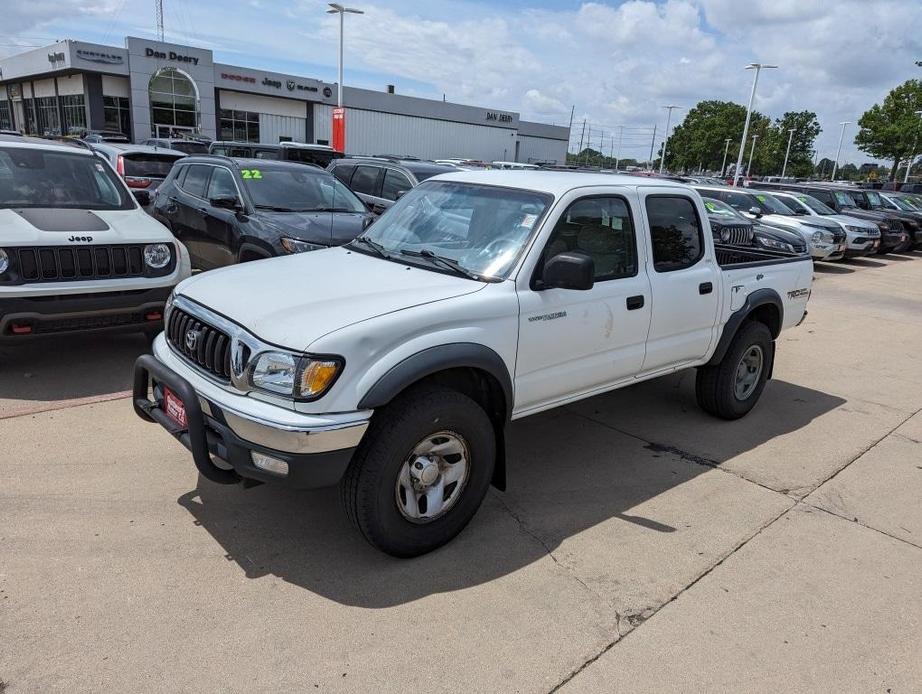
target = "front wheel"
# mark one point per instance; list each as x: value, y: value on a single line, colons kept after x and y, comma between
x: 421, y: 472
x: 731, y: 388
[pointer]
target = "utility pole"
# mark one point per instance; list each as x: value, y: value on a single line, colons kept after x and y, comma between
x: 620, y: 136
x: 158, y: 8
x: 749, y: 165
x: 588, y: 142
x: 758, y: 67
x: 662, y: 159
x: 723, y: 167
x: 912, y: 156
x: 570, y: 127
x: 580, y: 150
x: 652, y: 146
x: 611, y: 152
x: 835, y: 167
x: 788, y: 153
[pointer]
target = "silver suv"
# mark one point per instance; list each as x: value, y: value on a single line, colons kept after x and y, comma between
x: 380, y: 181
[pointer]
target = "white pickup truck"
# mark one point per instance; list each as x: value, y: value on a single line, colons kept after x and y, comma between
x: 393, y: 364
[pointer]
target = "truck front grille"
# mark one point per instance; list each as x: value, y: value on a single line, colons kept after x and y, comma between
x: 739, y: 235
x: 78, y: 263
x: 203, y: 345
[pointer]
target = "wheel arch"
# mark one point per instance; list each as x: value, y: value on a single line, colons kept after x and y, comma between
x: 470, y: 368
x: 763, y: 306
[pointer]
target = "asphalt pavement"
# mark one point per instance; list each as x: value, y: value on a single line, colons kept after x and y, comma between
x: 641, y: 545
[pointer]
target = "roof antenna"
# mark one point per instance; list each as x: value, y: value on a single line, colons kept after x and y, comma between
x: 158, y: 5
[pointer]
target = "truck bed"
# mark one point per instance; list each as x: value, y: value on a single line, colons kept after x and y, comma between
x: 736, y: 256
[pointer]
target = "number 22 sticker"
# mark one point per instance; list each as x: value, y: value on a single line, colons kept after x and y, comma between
x: 251, y: 173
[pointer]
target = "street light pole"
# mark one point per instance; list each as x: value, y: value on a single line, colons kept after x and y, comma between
x: 752, y: 95
x: 751, y: 152
x: 620, y: 136
x: 913, y: 156
x: 787, y: 154
x: 835, y: 167
x: 723, y: 167
x: 662, y: 159
x: 336, y: 8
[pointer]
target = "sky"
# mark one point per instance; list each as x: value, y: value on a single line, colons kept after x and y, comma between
x: 615, y: 63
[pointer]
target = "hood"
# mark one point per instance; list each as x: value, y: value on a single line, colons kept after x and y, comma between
x: 801, y: 222
x: 848, y: 220
x: 55, y: 226
x: 292, y: 300
x: 791, y: 237
x: 316, y: 227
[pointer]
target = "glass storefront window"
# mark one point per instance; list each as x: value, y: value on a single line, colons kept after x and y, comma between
x: 173, y: 101
x: 239, y: 126
x: 74, y: 114
x: 6, y: 116
x: 117, y: 114
x: 46, y: 108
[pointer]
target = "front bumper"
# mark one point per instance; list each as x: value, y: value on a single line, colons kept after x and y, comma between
x: 222, y: 442
x: 25, y: 317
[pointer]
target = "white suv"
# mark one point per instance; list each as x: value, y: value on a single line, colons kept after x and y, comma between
x: 77, y: 253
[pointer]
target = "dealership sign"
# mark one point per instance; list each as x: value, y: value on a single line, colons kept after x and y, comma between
x: 238, y: 78
x: 171, y: 55
x: 501, y: 117
x: 100, y: 57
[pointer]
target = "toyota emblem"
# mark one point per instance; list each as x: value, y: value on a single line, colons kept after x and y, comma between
x: 191, y: 339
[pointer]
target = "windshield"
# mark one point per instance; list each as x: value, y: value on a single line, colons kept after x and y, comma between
x: 815, y: 205
x: 873, y: 198
x: 44, y: 178
x: 482, y: 228
x: 900, y: 204
x: 771, y: 204
x: 844, y: 199
x: 911, y: 203
x: 299, y: 190
x: 716, y: 208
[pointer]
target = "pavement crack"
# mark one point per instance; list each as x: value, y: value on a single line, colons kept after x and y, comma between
x: 649, y: 613
x: 856, y: 521
x: 523, y: 526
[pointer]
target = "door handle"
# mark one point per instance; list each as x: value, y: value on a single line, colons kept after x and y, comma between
x: 634, y: 302
x: 705, y: 288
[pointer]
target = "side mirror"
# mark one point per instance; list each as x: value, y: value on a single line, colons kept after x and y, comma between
x: 142, y: 196
x: 755, y: 211
x: 226, y: 202
x: 569, y: 271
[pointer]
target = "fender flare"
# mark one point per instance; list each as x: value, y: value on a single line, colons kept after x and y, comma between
x: 265, y: 251
x: 759, y: 297
x: 432, y: 360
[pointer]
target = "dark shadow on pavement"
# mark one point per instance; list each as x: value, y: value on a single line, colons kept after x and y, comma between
x: 901, y: 257
x: 830, y: 269
x: 65, y: 368
x: 864, y: 262
x: 569, y: 469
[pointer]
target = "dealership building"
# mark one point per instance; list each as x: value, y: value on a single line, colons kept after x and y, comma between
x: 154, y: 89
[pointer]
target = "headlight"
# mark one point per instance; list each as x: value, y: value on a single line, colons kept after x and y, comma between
x: 295, y: 246
x: 157, y: 255
x: 293, y: 376
x: 857, y: 230
x: 775, y: 244
x: 4, y: 261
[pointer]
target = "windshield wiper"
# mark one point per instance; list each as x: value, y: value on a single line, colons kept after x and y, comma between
x: 374, y: 245
x: 274, y: 208
x: 327, y: 209
x: 444, y: 262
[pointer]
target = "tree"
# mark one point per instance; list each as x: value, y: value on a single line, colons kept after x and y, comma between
x: 824, y: 167
x: 800, y: 162
x: 891, y: 130
x: 700, y: 139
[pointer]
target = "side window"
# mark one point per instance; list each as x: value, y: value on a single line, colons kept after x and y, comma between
x: 600, y: 227
x: 364, y: 179
x: 179, y: 175
x: 195, y: 180
x: 394, y: 182
x: 676, y: 232
x: 218, y: 150
x: 343, y: 172
x: 222, y: 184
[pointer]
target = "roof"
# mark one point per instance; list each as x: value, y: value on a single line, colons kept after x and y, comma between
x: 127, y: 147
x: 252, y: 163
x: 554, y: 182
x: 39, y: 143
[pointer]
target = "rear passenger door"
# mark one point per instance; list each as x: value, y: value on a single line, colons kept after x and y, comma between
x: 684, y: 280
x: 191, y: 208
x: 395, y: 184
x: 574, y: 342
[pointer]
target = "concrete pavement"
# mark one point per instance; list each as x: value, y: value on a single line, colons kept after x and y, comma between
x: 642, y: 546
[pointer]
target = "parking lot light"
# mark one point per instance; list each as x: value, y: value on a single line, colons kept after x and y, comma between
x: 751, y: 152
x: 662, y: 159
x: 336, y: 8
x: 758, y: 67
x: 784, y: 168
x: 913, y: 155
x: 723, y: 166
x: 835, y: 166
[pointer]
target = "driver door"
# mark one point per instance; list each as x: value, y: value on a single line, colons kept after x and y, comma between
x: 574, y: 342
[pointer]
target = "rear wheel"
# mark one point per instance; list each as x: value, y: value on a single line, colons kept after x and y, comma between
x: 421, y: 472
x: 731, y: 388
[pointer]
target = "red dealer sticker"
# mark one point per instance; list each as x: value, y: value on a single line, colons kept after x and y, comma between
x: 174, y: 408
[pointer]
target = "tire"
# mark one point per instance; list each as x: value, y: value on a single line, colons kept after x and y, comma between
x: 370, y: 492
x: 716, y: 386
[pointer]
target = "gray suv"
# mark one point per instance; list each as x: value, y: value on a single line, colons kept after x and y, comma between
x: 142, y: 168
x: 380, y: 181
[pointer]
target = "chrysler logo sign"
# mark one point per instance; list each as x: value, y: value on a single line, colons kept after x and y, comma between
x: 100, y: 57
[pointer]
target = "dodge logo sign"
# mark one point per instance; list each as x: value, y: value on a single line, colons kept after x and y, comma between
x: 191, y: 339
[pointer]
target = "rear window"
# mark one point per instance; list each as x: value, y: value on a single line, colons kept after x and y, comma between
x: 42, y: 178
x: 148, y: 165
x: 676, y: 232
x: 191, y: 147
